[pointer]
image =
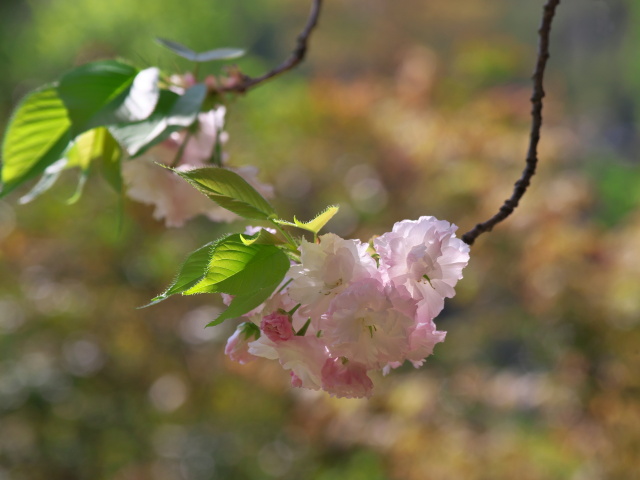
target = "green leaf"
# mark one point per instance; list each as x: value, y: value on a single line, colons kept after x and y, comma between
x: 37, y: 136
x: 249, y: 272
x: 242, y: 304
x: 314, y: 225
x: 230, y: 191
x: 235, y: 268
x: 173, y: 112
x: 108, y: 92
x: 209, y: 55
x: 192, y: 271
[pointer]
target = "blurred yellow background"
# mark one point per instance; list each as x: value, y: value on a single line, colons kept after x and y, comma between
x: 402, y: 109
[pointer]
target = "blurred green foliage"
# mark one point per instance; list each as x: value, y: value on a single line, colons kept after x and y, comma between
x: 402, y: 109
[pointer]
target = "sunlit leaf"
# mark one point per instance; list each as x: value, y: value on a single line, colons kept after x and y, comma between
x: 37, y: 136
x: 314, y: 225
x: 192, y: 271
x: 209, y: 55
x: 230, y: 191
x: 236, y: 268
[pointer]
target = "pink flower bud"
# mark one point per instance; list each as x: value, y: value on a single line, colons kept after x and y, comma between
x: 277, y: 327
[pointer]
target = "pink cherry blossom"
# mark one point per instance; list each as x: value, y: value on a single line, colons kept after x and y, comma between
x: 425, y: 256
x: 237, y: 347
x: 353, y: 316
x: 369, y: 324
x: 345, y: 379
x: 327, y: 269
x: 277, y: 326
x: 421, y: 343
x: 304, y: 356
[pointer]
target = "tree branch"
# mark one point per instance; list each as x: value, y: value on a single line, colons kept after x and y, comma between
x: 245, y: 82
x: 521, y: 185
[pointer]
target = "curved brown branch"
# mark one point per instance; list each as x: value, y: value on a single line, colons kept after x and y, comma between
x: 244, y: 82
x: 521, y: 185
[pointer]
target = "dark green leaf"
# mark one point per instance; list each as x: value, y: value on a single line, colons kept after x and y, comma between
x: 242, y: 304
x: 108, y: 92
x: 209, y: 55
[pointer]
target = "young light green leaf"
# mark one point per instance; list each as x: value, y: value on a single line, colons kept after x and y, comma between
x: 209, y: 55
x: 110, y: 161
x: 319, y: 221
x: 173, y: 112
x: 108, y: 92
x: 263, y: 237
x: 314, y: 225
x: 94, y: 146
x: 192, y: 271
x: 37, y: 136
x: 230, y: 191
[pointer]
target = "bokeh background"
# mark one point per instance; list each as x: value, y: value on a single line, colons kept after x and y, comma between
x: 405, y: 108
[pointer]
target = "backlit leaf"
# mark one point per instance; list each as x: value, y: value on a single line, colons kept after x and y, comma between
x: 37, y: 137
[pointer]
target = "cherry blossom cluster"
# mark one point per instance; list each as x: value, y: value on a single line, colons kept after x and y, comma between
x: 349, y: 307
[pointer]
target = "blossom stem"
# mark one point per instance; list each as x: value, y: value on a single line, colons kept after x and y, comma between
x: 183, y: 145
x: 291, y: 243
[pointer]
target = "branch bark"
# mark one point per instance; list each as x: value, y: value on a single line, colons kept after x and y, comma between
x: 522, y: 184
x: 296, y: 56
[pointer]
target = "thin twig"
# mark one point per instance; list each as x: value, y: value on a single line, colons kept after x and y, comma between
x: 294, y: 58
x: 521, y: 185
